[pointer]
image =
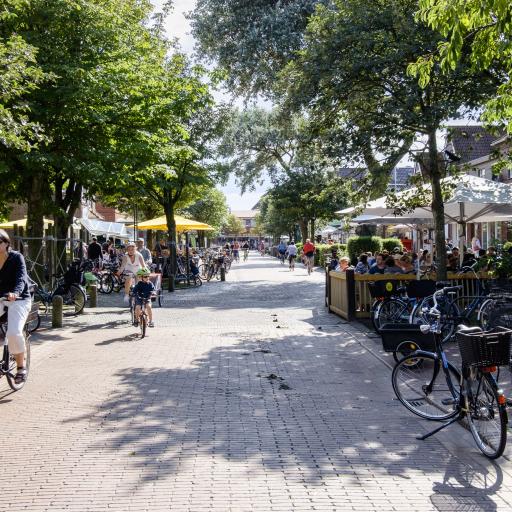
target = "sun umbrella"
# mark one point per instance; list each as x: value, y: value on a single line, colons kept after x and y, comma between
x: 182, y: 224
x: 21, y: 223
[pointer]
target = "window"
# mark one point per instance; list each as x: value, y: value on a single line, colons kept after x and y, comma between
x: 481, y: 173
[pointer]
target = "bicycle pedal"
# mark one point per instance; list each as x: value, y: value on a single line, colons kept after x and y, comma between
x: 449, y: 401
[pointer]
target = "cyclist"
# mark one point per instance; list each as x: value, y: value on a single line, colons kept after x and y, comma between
x: 291, y: 250
x: 309, y: 252
x: 236, y: 251
x: 245, y: 247
x: 143, y: 290
x: 131, y: 264
x: 14, y: 285
x: 281, y: 248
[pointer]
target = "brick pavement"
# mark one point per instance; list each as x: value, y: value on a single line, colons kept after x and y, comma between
x: 222, y: 408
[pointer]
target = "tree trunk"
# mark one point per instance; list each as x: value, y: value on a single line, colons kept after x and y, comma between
x: 35, y: 226
x: 303, y: 225
x: 436, y: 173
x: 67, y: 200
x: 312, y: 237
x: 171, y: 227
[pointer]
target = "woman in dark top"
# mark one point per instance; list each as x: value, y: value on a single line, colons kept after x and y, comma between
x: 14, y: 285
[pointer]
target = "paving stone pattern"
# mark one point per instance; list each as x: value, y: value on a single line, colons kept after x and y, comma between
x: 247, y: 396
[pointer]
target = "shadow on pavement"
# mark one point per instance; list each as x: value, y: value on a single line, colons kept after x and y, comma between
x: 316, y: 406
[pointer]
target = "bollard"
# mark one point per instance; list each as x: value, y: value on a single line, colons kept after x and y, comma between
x: 57, y: 303
x: 93, y: 295
x: 171, y: 283
x: 223, y: 273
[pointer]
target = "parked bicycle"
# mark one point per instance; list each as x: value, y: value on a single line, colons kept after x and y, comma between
x: 69, y: 287
x: 428, y: 385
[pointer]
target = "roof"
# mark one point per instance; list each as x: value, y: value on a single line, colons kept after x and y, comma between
x: 470, y: 142
x: 245, y: 214
x: 397, y: 181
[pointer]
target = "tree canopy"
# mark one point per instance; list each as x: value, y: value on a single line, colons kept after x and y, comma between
x: 482, y: 30
x: 250, y: 41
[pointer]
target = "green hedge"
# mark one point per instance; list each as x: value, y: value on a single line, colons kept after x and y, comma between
x: 389, y: 244
x: 359, y: 244
x: 507, y: 246
x: 324, y: 250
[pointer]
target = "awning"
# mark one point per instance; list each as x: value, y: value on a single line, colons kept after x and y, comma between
x: 104, y: 228
x: 182, y: 224
x: 22, y: 223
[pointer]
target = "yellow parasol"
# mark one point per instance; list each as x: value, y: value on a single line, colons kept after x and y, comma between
x: 21, y: 223
x: 182, y: 224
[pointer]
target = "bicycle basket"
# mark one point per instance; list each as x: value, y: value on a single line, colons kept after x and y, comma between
x: 395, y: 334
x: 383, y: 288
x: 421, y: 289
x: 500, y: 288
x: 73, y: 275
x: 491, y: 348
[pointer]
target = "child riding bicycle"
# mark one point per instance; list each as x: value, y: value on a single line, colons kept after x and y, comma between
x: 142, y: 293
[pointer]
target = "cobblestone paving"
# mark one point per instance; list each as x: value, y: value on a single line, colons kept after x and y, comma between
x: 247, y: 396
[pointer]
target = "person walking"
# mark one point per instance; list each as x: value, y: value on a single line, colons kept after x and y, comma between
x: 94, y: 251
x: 144, y: 251
x: 291, y: 251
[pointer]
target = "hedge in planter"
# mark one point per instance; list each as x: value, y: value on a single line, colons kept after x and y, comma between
x: 389, y: 244
x: 359, y: 244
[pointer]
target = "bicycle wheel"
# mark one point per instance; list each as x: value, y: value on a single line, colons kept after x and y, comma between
x: 501, y: 316
x: 450, y: 310
x: 211, y: 271
x: 423, y: 389
x: 391, y: 311
x: 11, y: 365
x: 203, y: 271
x: 106, y: 283
x: 73, y: 299
x: 33, y: 325
x: 485, y: 313
x: 487, y: 417
x: 198, y: 281
x: 143, y: 324
x: 375, y: 305
x: 42, y: 300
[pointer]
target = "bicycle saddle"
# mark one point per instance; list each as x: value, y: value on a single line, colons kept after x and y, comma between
x: 464, y: 329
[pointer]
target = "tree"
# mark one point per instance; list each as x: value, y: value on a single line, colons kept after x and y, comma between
x: 481, y: 29
x: 210, y: 208
x: 274, y: 219
x: 250, y: 41
x: 306, y: 194
x: 352, y: 78
x: 106, y: 68
x: 233, y: 226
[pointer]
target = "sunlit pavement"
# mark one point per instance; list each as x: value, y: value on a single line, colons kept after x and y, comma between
x: 247, y: 396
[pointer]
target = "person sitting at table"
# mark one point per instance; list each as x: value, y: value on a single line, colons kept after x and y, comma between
x: 379, y: 267
x: 405, y: 263
x: 362, y: 264
x: 391, y: 266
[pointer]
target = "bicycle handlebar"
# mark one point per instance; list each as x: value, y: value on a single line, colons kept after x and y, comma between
x: 434, y: 311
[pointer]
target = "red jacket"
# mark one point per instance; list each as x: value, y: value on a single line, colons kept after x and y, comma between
x: 308, y: 247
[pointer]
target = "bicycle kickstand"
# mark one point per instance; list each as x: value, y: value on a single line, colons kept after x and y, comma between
x: 438, y: 429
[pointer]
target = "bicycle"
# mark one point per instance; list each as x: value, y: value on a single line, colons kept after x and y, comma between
x: 8, y: 366
x: 418, y: 382
x: 476, y: 311
x: 246, y: 254
x: 68, y: 287
x: 143, y: 318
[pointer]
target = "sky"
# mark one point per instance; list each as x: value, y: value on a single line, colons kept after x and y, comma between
x: 177, y: 26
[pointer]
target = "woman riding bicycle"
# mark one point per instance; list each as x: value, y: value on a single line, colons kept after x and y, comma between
x: 14, y: 284
x: 131, y: 264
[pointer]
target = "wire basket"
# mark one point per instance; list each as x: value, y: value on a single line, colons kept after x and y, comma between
x: 491, y: 348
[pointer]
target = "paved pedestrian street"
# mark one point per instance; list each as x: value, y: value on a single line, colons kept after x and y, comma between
x: 247, y: 396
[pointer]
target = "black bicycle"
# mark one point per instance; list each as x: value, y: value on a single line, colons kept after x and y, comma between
x: 8, y: 365
x: 428, y: 385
